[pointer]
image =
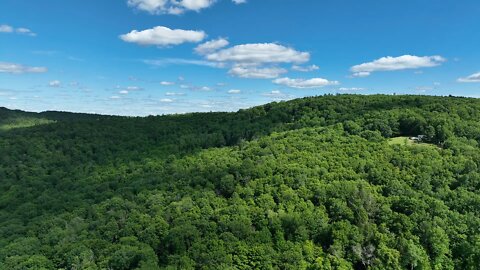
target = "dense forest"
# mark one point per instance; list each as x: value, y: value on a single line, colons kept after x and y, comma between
x: 313, y: 183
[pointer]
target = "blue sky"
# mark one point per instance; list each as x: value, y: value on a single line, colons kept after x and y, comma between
x: 141, y: 57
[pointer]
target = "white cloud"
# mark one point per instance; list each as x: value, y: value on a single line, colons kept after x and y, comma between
x: 133, y: 88
x: 6, y: 28
x: 351, y: 89
x: 257, y: 60
x: 180, y: 61
x: 55, y: 83
x: 474, y: 78
x: 196, y: 5
x: 256, y: 73
x: 153, y: 6
x: 278, y: 95
x: 196, y: 88
x: 423, y: 89
x: 304, y: 83
x: 171, y: 94
x: 211, y: 46
x: 25, y: 31
x: 260, y: 53
x: 20, y: 69
x: 163, y: 36
x: 305, y: 68
x: 114, y: 97
x: 361, y: 74
x: 124, y: 92
x: 165, y: 83
x: 174, y: 7
x: 166, y: 100
x: 234, y: 91
x: 396, y: 63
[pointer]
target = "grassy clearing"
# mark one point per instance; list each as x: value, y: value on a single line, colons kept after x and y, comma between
x: 23, y: 123
x: 400, y: 141
x: 406, y: 141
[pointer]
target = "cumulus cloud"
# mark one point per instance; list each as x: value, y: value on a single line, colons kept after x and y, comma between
x: 174, y: 7
x: 234, y: 91
x: 166, y: 100
x: 396, y: 63
x: 474, y: 78
x: 305, y: 68
x: 4, y: 28
x: 124, y: 92
x: 256, y: 73
x: 55, y: 83
x: 211, y: 46
x: 259, y: 53
x: 256, y: 60
x: 305, y: 83
x: 163, y: 36
x: 196, y: 5
x: 14, y: 68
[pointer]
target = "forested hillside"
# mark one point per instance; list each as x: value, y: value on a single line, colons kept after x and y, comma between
x: 313, y: 183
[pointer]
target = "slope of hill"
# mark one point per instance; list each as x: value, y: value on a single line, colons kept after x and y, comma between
x: 312, y: 183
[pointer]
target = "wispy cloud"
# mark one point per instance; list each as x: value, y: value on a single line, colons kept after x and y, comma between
x: 256, y: 73
x: 474, y: 78
x: 350, y: 89
x: 166, y: 83
x: 180, y: 61
x: 14, y: 68
x: 4, y: 28
x: 305, y: 68
x: 171, y: 94
x: 55, y: 84
x: 234, y: 91
x: 278, y: 95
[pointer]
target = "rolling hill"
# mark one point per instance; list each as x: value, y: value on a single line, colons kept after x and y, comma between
x: 312, y: 183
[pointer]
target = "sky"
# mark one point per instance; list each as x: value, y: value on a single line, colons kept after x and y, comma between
x: 154, y: 57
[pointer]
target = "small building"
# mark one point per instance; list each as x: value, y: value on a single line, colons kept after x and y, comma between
x: 419, y: 138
